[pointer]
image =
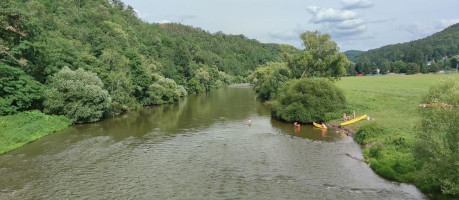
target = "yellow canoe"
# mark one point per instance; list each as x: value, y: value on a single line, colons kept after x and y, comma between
x: 318, y: 125
x: 353, y: 120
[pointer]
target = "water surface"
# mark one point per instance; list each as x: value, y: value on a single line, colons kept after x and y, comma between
x: 199, y: 148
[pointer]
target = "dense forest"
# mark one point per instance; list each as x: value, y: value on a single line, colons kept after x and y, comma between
x: 48, y: 48
x: 439, y: 51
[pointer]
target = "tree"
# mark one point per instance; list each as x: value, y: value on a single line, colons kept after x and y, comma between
x: 79, y: 95
x: 320, y: 58
x: 308, y: 100
x: 163, y: 90
x: 399, y: 67
x: 18, y: 91
x: 438, y: 140
x: 268, y: 79
x: 412, y: 68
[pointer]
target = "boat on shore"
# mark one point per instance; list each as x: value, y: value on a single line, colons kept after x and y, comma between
x: 353, y: 120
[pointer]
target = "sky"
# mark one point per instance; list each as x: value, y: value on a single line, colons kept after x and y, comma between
x: 352, y: 24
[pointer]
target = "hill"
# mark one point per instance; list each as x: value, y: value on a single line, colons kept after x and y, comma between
x: 131, y: 57
x: 425, y: 55
x: 353, y: 55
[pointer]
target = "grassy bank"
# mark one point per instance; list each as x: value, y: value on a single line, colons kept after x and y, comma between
x: 22, y: 128
x: 392, y: 101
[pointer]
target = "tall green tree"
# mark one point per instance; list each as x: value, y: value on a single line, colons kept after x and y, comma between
x: 320, y: 58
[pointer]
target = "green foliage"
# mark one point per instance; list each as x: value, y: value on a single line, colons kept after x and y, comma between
x: 163, y: 90
x: 18, y: 91
x: 19, y: 129
x: 79, y: 95
x: 399, y: 67
x: 438, y: 140
x: 353, y: 55
x: 268, y: 79
x: 368, y: 132
x: 320, y: 58
x: 440, y: 48
x: 308, y: 100
x: 40, y: 37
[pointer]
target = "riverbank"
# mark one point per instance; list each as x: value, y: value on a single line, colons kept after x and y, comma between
x: 25, y: 127
x: 392, y: 101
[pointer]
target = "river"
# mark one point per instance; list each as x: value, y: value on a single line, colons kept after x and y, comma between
x: 199, y: 148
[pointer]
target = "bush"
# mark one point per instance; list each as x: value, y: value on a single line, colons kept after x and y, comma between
x: 163, y: 90
x: 368, y: 131
x: 308, y: 100
x: 438, y: 139
x: 79, y: 95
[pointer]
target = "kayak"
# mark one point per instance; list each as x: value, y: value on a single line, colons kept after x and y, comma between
x: 318, y: 125
x: 353, y: 120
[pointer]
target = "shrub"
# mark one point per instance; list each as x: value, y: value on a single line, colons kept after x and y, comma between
x: 79, y: 95
x: 368, y: 131
x: 307, y: 100
x: 163, y: 90
x: 438, y: 139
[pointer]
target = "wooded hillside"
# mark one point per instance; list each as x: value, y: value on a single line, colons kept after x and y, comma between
x: 135, y: 60
x: 431, y: 54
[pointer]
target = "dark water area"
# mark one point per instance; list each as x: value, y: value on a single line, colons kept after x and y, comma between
x: 199, y: 148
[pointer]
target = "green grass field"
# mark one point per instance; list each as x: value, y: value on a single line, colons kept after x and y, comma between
x: 22, y: 128
x: 392, y: 101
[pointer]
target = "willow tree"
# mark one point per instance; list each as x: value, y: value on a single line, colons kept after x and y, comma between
x: 320, y: 58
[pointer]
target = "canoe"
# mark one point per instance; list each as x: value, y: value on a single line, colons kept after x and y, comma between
x: 318, y: 125
x: 353, y: 120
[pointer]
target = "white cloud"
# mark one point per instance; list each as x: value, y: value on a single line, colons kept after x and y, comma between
x: 330, y: 14
x: 164, y: 21
x: 444, y: 23
x: 350, y: 24
x: 355, y: 4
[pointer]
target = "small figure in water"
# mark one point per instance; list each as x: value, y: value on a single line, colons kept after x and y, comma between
x: 297, y: 125
x: 324, y: 126
x: 249, y: 122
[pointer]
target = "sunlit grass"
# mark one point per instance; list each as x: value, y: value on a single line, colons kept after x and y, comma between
x: 22, y: 128
x: 392, y: 101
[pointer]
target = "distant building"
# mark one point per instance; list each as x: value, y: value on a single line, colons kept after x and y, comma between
x: 430, y: 62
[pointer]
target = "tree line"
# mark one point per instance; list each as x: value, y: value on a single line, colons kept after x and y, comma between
x: 439, y: 51
x: 89, y: 58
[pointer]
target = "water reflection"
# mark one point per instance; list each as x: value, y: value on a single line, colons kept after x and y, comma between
x: 198, y: 148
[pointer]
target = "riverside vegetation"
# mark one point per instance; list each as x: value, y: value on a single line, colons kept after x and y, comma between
x: 50, y: 48
x: 88, y: 59
x: 406, y: 142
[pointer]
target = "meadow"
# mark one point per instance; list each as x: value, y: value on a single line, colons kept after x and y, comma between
x: 393, y: 103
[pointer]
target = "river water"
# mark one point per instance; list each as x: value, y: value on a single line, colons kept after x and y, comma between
x: 199, y: 148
